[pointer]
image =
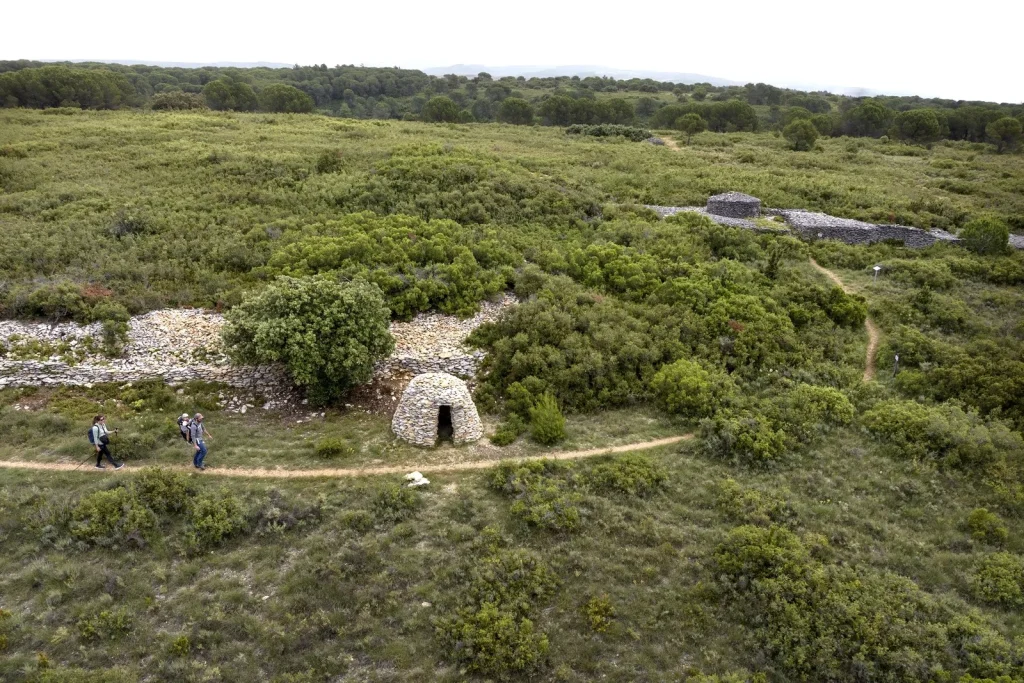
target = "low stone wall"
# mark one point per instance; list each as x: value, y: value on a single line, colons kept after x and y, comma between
x: 183, y: 345
x: 812, y: 225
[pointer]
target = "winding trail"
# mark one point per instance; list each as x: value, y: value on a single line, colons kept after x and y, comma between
x: 873, y: 334
x: 670, y: 143
x: 264, y: 473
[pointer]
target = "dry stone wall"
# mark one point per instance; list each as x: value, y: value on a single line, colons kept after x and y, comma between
x: 813, y: 225
x: 183, y: 345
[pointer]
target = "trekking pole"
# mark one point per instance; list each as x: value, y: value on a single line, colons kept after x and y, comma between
x: 82, y: 463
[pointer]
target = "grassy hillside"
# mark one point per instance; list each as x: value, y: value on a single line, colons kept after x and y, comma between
x: 816, y: 527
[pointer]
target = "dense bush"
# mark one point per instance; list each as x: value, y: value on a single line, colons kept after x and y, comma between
x: 610, y: 130
x: 230, y: 94
x: 917, y: 125
x: 943, y: 434
x: 490, y: 630
x: 163, y: 491
x: 808, y: 411
x: 440, y: 109
x: 394, y: 503
x: 543, y: 491
x: 809, y: 616
x: 633, y: 475
x: 986, y: 235
x: 176, y: 99
x: 327, y: 334
x: 331, y: 448
x: 213, y: 518
x: 516, y: 111
x: 986, y: 526
x: 721, y: 117
x: 688, y: 388
x: 112, y: 518
x: 746, y: 438
x: 509, y: 430
x: 999, y: 579
x: 753, y: 506
x: 547, y: 424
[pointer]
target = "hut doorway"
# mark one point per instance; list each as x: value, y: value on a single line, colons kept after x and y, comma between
x: 445, y: 431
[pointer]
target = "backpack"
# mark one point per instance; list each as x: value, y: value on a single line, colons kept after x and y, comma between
x: 183, y: 427
x: 90, y: 437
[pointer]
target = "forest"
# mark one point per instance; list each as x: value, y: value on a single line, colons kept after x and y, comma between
x: 393, y: 93
x: 810, y: 520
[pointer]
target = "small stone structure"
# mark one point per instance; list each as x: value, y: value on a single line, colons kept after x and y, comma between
x: 734, y: 205
x: 430, y: 400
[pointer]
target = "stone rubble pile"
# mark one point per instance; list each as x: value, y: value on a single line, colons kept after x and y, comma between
x: 433, y: 342
x: 180, y: 345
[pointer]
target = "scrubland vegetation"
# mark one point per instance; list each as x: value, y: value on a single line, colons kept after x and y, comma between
x: 817, y: 527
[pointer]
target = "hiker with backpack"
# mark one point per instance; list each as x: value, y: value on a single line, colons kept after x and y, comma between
x: 197, y: 430
x: 99, y: 436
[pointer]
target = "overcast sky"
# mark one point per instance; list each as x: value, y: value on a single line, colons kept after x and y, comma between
x: 960, y: 51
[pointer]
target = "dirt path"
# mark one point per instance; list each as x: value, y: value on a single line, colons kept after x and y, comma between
x: 873, y: 334
x: 264, y: 473
x: 670, y: 143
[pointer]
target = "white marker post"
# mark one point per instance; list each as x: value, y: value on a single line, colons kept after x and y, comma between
x: 877, y: 268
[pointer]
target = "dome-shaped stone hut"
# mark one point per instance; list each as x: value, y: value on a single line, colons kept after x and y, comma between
x: 434, y: 406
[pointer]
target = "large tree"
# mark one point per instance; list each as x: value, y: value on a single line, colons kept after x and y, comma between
x: 691, y: 124
x: 917, y: 125
x: 801, y: 134
x: 327, y: 334
x: 1005, y: 133
x: 516, y: 111
x: 440, y: 109
x: 229, y: 94
x: 284, y: 98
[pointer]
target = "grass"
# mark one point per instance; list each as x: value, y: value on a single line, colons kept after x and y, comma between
x: 326, y: 599
x: 269, y: 439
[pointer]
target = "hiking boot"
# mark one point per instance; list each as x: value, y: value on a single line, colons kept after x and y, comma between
x: 202, y: 467
x: 101, y: 467
x: 119, y: 466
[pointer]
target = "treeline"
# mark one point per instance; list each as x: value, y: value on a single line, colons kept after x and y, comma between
x: 393, y: 93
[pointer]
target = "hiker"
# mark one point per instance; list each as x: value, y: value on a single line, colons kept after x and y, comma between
x: 99, y: 436
x: 183, y: 423
x: 196, y: 430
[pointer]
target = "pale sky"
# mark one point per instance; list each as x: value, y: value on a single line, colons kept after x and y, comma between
x: 943, y: 49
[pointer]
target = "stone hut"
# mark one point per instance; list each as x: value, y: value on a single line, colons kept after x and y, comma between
x: 436, y: 406
x: 734, y: 205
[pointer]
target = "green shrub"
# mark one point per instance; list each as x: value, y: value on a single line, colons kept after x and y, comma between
x: 519, y: 400
x: 801, y: 134
x: 746, y: 438
x: 547, y: 424
x: 600, y: 612
x: 751, y: 506
x: 134, y: 446
x: 543, y: 493
x: 999, y: 579
x: 105, y: 625
x: 609, y: 130
x: 328, y: 334
x: 163, y: 490
x: 494, y: 641
x: 633, y: 475
x: 112, y: 518
x: 331, y: 448
x: 810, y: 410
x: 986, y: 526
x: 818, y: 621
x: 689, y: 388
x: 944, y: 434
x: 395, y: 503
x: 212, y: 518
x: 329, y: 161
x: 508, y: 431
x: 180, y: 646
x: 986, y: 235
x: 491, y: 632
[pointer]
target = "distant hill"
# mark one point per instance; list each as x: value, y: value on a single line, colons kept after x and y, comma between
x: 577, y: 70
